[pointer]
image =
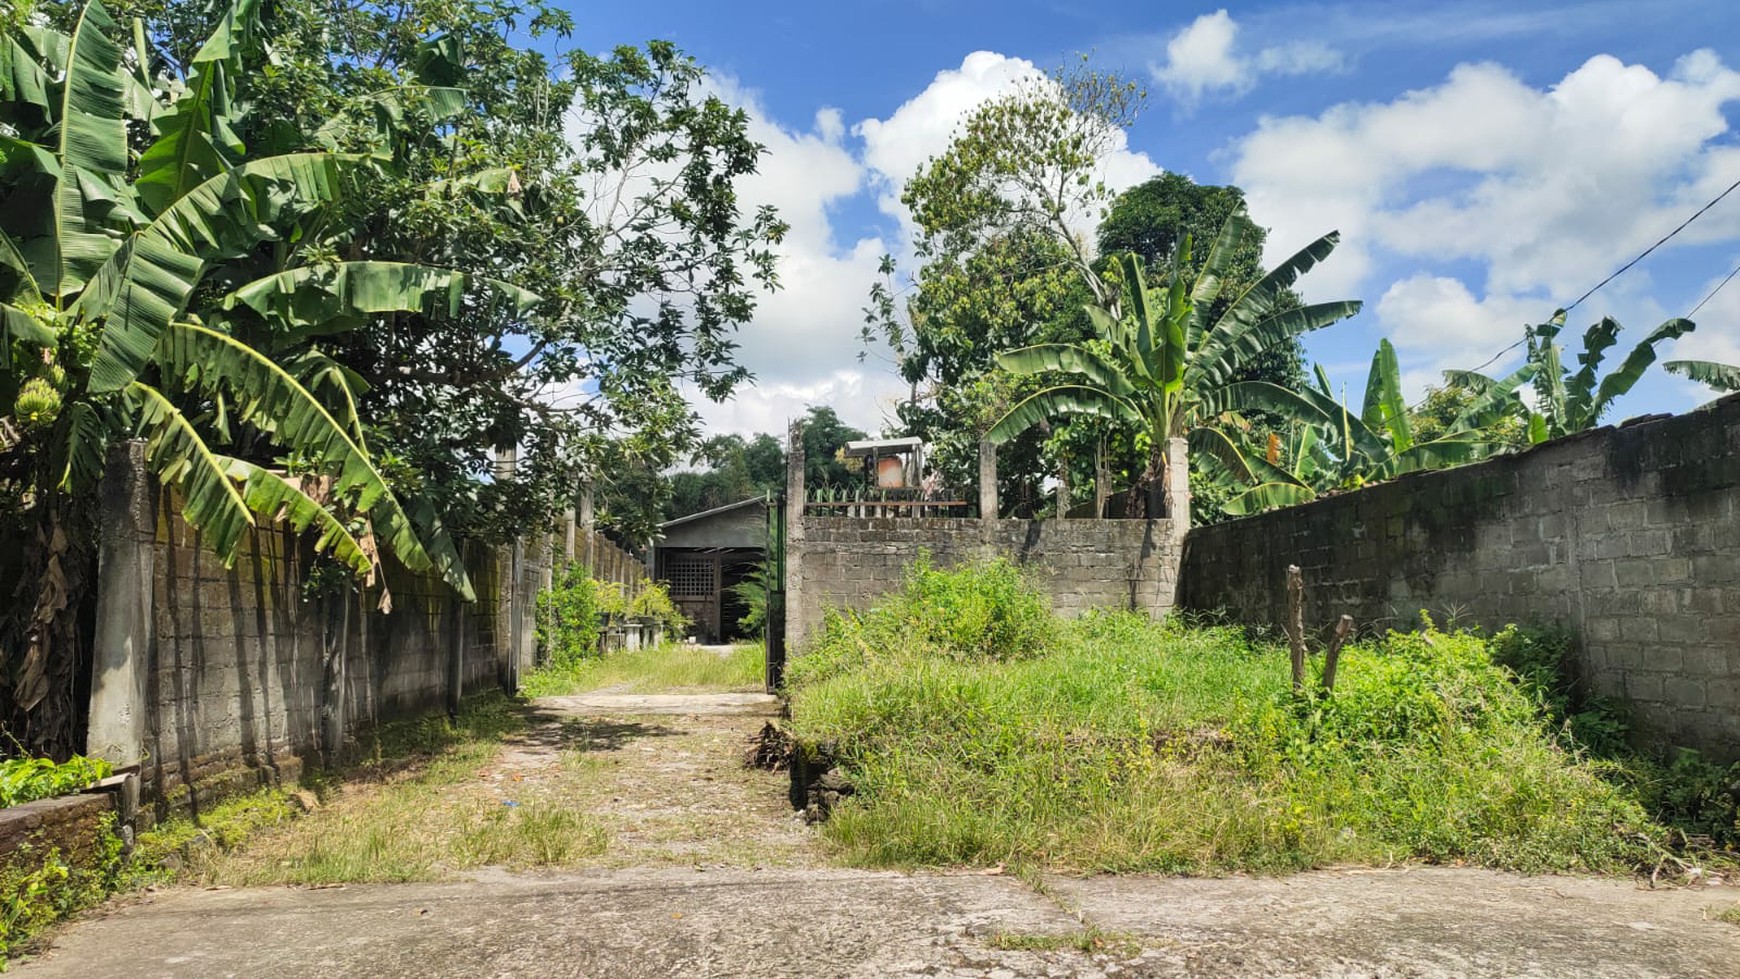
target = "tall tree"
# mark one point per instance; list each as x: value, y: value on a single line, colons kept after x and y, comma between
x: 150, y: 285
x: 1167, y: 365
x: 604, y: 182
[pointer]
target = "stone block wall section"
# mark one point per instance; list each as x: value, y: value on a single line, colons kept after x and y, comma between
x: 215, y: 679
x: 850, y: 562
x: 1629, y: 536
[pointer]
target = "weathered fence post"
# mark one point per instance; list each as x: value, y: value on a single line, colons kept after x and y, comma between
x: 794, y: 535
x: 1295, y: 624
x: 1343, y: 629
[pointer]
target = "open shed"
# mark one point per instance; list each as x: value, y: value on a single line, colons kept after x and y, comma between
x: 700, y: 558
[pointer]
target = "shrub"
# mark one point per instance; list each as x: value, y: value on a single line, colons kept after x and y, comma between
x: 986, y: 610
x: 653, y: 601
x: 28, y: 779
x: 1112, y: 743
x: 568, y: 612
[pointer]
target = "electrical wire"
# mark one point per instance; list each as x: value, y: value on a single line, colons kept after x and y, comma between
x: 1665, y: 238
x: 1713, y: 292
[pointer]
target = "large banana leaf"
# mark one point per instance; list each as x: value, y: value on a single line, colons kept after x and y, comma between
x: 1056, y: 402
x: 1439, y: 453
x: 210, y: 502
x: 1210, y: 280
x: 17, y: 284
x: 316, y: 300
x: 1220, y: 364
x: 268, y: 397
x: 1253, y: 305
x: 1580, y: 390
x: 1211, y: 442
x: 274, y: 497
x: 1616, y: 384
x: 1071, y: 359
x: 92, y: 154
x: 1140, y: 352
x: 194, y: 133
x: 1384, y: 408
x: 146, y: 284
x: 1306, y: 405
x: 1269, y: 496
x: 1722, y: 377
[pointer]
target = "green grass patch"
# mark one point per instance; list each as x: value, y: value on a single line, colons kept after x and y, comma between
x: 404, y: 828
x: 1116, y: 744
x: 1093, y: 941
x: 39, y: 887
x: 667, y: 668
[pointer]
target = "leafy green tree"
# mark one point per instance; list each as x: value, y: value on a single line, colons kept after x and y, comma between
x: 736, y: 470
x: 1166, y: 367
x: 149, y: 278
x: 1569, y: 401
x: 607, y: 183
x: 824, y: 435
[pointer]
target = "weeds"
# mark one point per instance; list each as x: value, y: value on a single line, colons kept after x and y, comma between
x: 668, y: 668
x: 39, y: 887
x: 1117, y: 744
x: 28, y: 779
x: 1092, y: 941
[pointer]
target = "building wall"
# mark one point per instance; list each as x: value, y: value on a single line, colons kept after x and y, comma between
x: 1630, y: 536
x: 850, y: 562
x: 214, y: 679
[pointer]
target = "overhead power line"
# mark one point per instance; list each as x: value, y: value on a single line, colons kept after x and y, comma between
x: 1664, y: 240
x: 1713, y: 292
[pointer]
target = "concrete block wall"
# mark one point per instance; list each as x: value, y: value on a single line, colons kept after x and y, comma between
x: 850, y: 562
x: 213, y: 679
x: 1630, y: 536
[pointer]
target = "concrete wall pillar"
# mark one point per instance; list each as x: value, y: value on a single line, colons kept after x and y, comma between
x: 987, y: 480
x: 794, y: 537
x: 1177, y: 477
x: 125, y: 642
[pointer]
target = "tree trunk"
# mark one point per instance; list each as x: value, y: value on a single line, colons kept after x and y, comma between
x: 45, y: 647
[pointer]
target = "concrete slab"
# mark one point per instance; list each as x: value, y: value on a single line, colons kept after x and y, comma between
x: 1423, y: 921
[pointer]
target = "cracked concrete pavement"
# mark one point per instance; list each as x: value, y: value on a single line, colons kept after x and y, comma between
x: 812, y: 920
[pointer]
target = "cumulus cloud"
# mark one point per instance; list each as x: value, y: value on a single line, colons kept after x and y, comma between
x: 1204, y: 59
x: 1543, y: 190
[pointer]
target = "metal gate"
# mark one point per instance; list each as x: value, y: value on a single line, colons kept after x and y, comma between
x: 775, y: 627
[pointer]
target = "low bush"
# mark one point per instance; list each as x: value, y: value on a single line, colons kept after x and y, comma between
x: 568, y: 617
x: 1113, y: 743
x: 28, y: 779
x: 653, y: 600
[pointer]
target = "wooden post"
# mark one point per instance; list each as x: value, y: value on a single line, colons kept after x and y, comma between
x: 1295, y: 624
x: 1343, y: 629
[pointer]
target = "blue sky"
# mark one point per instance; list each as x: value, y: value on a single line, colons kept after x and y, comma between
x: 1485, y: 162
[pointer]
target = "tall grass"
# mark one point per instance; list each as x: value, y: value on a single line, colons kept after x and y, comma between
x: 1116, y: 744
x: 667, y: 668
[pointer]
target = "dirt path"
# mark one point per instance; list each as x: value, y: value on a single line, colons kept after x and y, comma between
x: 705, y: 872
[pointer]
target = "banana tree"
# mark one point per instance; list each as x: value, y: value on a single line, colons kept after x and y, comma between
x: 1567, y: 402
x: 1327, y: 446
x: 133, y: 304
x: 1722, y: 377
x: 1161, y: 365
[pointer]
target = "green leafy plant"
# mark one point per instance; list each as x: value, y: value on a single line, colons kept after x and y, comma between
x: 752, y: 592
x: 652, y: 600
x: 568, y: 627
x: 1567, y: 402
x: 1327, y: 446
x: 1162, y: 364
x: 28, y: 779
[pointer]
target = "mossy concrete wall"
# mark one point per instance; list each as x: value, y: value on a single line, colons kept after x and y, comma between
x: 215, y: 678
x: 1630, y: 536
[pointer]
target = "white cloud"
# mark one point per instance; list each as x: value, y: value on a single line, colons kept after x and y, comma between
x: 1543, y: 190
x: 896, y: 147
x: 1204, y: 59
x: 1444, y: 322
x: 863, y: 398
